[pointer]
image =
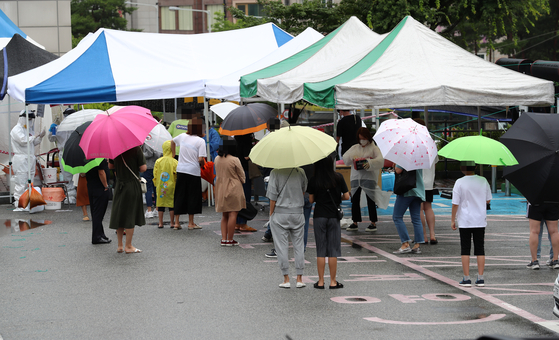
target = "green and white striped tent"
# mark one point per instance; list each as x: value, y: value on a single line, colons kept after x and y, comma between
x: 411, y: 66
x: 332, y: 55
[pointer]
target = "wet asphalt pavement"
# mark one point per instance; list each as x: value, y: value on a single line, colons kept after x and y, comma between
x: 54, y: 284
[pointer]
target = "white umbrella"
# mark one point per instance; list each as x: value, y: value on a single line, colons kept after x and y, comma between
x: 223, y: 109
x: 406, y: 143
x: 157, y: 137
x: 76, y: 119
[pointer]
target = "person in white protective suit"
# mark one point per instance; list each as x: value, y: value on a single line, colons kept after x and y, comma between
x: 21, y: 162
x: 365, y: 179
x: 60, y: 138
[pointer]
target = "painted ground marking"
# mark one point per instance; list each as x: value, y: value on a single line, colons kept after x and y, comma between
x: 473, y: 291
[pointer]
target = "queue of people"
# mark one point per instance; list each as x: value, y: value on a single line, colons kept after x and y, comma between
x: 291, y: 192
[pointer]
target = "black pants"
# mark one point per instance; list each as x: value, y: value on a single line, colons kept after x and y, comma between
x: 98, y: 200
x: 466, y: 235
x: 356, y: 207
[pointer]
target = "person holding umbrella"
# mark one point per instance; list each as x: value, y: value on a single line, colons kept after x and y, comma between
x: 286, y: 190
x: 128, y: 208
x: 411, y: 199
x: 229, y: 195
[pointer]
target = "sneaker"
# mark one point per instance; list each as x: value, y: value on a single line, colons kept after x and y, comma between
x: 352, y: 227
x: 371, y: 228
x: 267, y: 239
x: 272, y: 254
x: 148, y: 214
x: 224, y: 242
x: 465, y: 283
x: 554, y: 264
x: 416, y: 250
x: 533, y: 265
x: 480, y: 283
x: 403, y: 251
x: 549, y: 262
x: 233, y: 243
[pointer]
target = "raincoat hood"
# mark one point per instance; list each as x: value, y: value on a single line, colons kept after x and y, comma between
x: 167, y: 149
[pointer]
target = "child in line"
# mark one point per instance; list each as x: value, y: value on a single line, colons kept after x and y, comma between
x: 470, y: 197
x: 164, y: 178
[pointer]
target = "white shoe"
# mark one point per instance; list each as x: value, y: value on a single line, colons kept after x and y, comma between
x: 149, y: 214
x: 285, y: 285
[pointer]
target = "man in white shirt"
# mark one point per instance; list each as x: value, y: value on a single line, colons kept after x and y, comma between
x: 188, y: 189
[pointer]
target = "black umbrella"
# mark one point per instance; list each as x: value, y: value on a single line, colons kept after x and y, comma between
x: 247, y: 119
x: 534, y: 142
x: 73, y: 157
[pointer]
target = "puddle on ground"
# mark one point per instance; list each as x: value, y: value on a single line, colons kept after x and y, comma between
x: 8, y: 227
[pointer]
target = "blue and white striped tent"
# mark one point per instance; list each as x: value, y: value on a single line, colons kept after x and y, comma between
x: 114, y: 66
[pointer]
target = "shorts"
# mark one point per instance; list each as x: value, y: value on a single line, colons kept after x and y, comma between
x: 544, y: 211
x: 429, y: 196
x: 162, y: 209
x: 466, y: 241
x: 328, y: 237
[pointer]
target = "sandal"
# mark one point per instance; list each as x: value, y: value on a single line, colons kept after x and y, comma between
x: 434, y: 241
x: 160, y: 226
x: 337, y: 286
x: 317, y: 286
x: 194, y: 227
x: 177, y: 227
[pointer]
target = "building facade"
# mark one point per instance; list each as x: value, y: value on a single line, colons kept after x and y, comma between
x: 48, y: 22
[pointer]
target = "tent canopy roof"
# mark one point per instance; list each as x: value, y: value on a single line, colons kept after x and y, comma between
x: 228, y: 87
x: 111, y: 66
x: 411, y: 66
x: 332, y: 55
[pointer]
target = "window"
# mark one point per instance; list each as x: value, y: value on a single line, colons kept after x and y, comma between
x: 213, y: 10
x: 167, y: 19
x: 185, y: 19
x: 255, y: 10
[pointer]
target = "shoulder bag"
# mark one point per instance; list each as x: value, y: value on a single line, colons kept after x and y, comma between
x: 143, y: 182
x: 404, y: 182
x: 339, y: 211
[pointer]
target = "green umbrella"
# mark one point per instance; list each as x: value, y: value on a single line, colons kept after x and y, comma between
x: 479, y: 149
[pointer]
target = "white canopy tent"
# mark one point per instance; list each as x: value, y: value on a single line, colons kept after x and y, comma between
x: 332, y: 55
x: 112, y: 66
x: 227, y: 87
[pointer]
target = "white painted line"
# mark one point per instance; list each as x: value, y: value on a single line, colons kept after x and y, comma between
x: 551, y: 325
x: 441, y: 205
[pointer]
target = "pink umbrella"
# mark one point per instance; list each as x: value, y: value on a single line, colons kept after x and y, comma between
x: 118, y: 129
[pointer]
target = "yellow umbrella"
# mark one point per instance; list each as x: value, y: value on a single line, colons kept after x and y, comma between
x: 291, y: 147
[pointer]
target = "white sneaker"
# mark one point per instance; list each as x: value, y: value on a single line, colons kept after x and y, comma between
x: 149, y: 214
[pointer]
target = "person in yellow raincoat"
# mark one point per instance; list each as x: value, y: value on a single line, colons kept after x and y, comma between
x: 164, y: 179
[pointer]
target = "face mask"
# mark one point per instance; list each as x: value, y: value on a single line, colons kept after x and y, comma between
x: 363, y: 142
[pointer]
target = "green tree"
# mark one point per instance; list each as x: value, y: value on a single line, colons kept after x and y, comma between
x: 294, y: 18
x: 242, y: 21
x: 90, y: 15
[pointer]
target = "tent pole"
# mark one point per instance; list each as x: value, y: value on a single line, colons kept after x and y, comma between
x: 29, y: 179
x: 10, y: 148
x: 175, y: 110
x: 479, y: 129
x: 426, y: 115
x: 206, y: 116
